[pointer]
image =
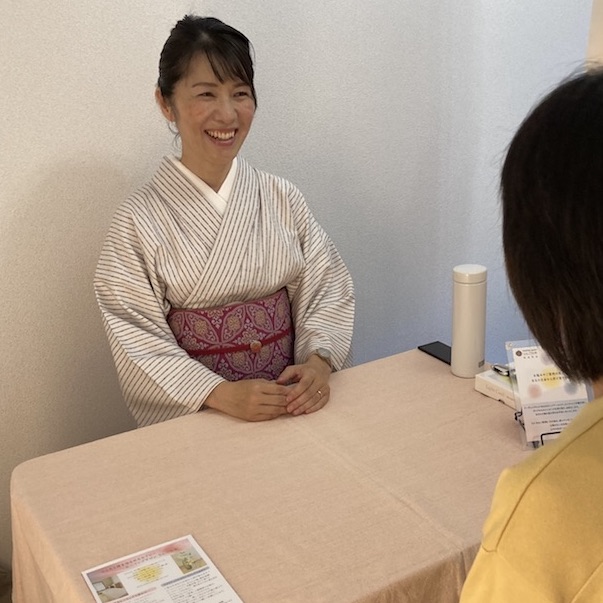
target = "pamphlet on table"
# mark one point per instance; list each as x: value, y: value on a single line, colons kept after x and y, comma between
x: 547, y: 399
x: 177, y: 571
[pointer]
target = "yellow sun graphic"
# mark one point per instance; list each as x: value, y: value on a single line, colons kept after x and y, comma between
x: 148, y: 573
x: 552, y: 378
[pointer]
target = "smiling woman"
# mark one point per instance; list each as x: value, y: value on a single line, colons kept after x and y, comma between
x: 217, y: 286
x: 213, y: 118
x: 206, y: 89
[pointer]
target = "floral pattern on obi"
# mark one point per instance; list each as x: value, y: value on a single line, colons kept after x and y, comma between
x: 247, y: 340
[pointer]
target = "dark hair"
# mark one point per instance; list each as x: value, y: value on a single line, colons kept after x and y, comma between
x: 227, y: 50
x: 552, y: 199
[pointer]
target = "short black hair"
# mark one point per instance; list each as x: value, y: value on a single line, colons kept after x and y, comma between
x: 227, y: 50
x: 552, y: 202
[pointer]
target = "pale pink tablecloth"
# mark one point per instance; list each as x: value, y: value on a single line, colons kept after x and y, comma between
x: 379, y: 497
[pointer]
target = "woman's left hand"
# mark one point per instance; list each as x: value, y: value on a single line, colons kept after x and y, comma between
x: 310, y: 390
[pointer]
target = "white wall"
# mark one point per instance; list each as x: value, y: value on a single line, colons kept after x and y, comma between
x: 392, y: 116
x: 595, y: 39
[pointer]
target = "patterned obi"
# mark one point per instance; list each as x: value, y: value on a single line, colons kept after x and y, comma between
x: 248, y: 340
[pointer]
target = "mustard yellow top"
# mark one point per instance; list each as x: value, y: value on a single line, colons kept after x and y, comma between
x: 543, y: 539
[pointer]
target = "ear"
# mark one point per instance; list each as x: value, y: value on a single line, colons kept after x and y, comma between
x: 164, y: 105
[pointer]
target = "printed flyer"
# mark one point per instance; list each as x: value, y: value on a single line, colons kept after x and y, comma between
x: 178, y: 571
x: 549, y: 400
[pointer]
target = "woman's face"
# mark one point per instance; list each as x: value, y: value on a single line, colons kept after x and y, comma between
x: 213, y: 118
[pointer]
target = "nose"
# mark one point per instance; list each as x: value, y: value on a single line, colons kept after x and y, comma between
x: 225, y: 110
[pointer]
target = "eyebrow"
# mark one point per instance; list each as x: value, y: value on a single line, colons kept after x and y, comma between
x: 213, y: 84
x: 238, y: 84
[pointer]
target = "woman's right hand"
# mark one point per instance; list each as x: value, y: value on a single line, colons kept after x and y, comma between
x: 249, y: 399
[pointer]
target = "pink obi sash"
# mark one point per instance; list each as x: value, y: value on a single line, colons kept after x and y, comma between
x: 248, y: 340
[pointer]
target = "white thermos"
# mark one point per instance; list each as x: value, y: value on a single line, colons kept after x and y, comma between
x: 468, y: 319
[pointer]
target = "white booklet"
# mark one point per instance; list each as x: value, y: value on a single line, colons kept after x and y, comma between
x: 547, y: 398
x: 177, y: 571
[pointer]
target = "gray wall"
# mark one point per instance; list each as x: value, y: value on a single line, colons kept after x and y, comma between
x: 391, y: 116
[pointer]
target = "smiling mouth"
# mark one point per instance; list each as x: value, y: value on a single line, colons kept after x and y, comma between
x: 220, y: 135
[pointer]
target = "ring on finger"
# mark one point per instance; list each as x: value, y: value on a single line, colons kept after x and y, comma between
x: 319, y: 393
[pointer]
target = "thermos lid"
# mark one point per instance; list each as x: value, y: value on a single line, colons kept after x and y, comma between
x: 469, y: 273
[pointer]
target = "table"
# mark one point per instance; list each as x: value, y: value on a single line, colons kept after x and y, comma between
x: 379, y: 497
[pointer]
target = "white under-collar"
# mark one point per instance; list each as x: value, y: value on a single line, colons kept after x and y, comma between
x: 218, y: 199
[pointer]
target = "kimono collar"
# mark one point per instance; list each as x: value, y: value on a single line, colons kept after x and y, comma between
x: 217, y: 199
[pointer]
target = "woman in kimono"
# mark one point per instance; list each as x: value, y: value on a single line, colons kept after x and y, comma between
x: 217, y: 287
x: 543, y: 539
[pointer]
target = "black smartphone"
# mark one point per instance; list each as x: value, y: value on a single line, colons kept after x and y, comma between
x: 438, y: 350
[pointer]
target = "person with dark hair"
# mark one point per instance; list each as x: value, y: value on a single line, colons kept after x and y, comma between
x: 543, y: 539
x: 217, y: 287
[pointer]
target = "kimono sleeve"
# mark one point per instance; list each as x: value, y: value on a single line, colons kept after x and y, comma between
x: 158, y: 379
x: 322, y: 296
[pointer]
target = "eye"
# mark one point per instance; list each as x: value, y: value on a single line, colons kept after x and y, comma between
x: 205, y: 95
x: 242, y: 93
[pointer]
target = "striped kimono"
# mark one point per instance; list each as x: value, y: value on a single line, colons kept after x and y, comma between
x: 168, y: 247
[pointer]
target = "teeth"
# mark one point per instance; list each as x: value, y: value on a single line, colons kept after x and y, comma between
x: 221, y: 135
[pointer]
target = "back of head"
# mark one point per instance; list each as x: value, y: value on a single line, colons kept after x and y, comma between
x: 552, y: 196
x: 227, y: 50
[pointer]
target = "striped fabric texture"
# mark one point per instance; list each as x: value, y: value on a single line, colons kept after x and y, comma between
x: 169, y: 247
